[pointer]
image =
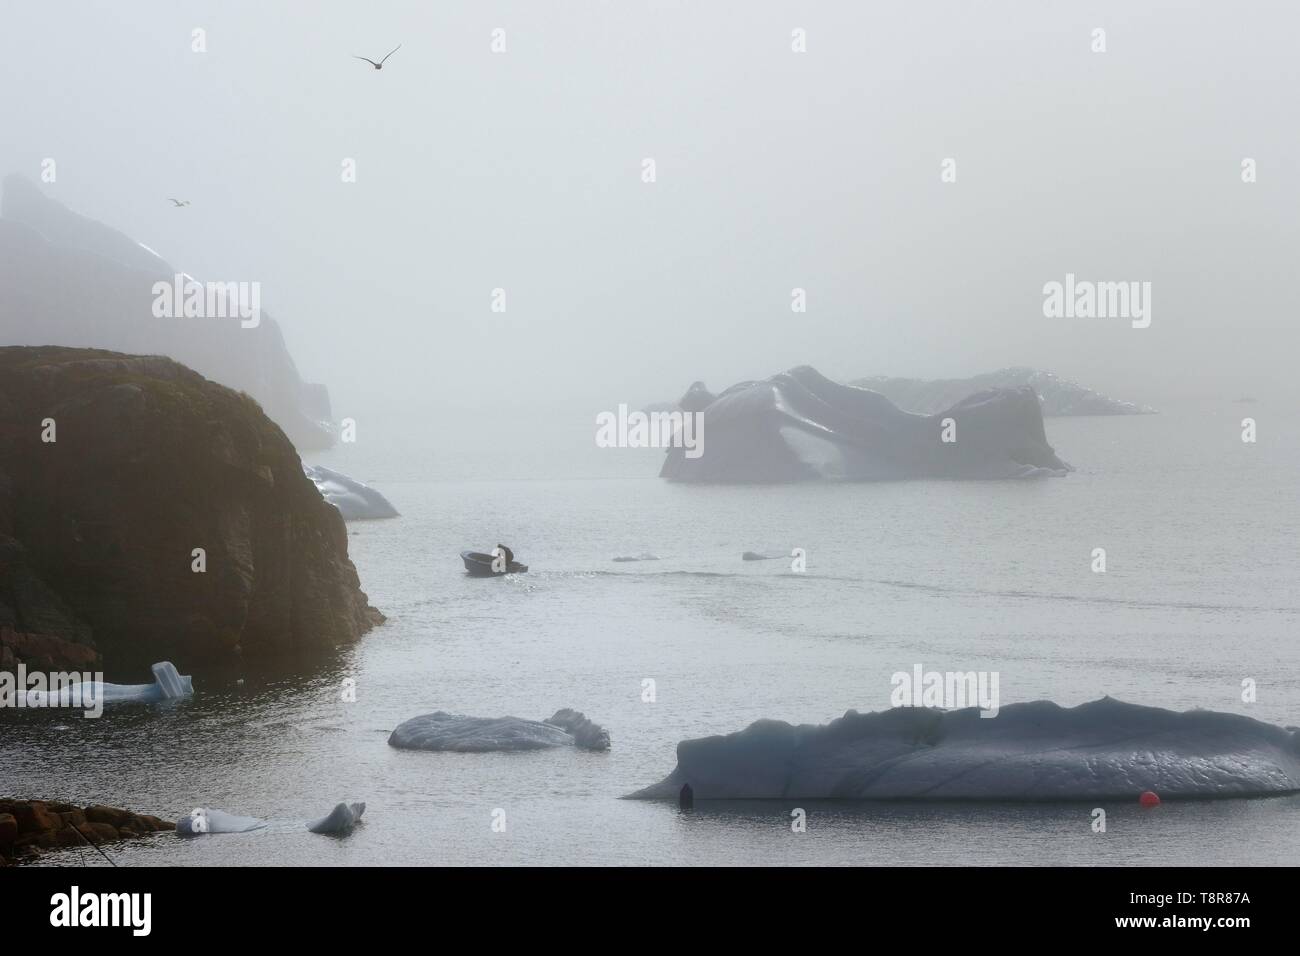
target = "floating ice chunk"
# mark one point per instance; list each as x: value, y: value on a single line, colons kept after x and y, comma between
x: 202, y: 820
x: 586, y: 734
x: 1105, y: 749
x: 355, y: 501
x: 443, y: 731
x: 339, y: 820
x: 167, y: 685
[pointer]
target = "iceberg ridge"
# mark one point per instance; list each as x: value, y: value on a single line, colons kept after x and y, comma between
x: 1104, y: 749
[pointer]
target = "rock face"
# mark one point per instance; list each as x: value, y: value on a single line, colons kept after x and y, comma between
x: 43, y: 652
x: 800, y: 425
x: 29, y: 826
x: 1105, y: 749
x: 1059, y: 397
x: 69, y: 280
x: 151, y: 461
x: 455, y: 732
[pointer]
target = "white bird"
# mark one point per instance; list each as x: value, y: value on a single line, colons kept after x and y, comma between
x: 178, y: 202
x: 380, y: 64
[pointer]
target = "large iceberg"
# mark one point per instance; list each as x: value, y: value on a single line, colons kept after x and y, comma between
x: 1058, y: 396
x: 799, y: 425
x: 443, y: 731
x: 1105, y: 749
x: 355, y: 501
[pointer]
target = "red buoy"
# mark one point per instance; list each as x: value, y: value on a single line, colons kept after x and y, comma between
x: 1149, y: 799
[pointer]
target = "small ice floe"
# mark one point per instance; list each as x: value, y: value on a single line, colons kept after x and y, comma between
x: 355, y: 501
x: 203, y: 820
x: 455, y: 732
x: 339, y: 820
x: 167, y: 685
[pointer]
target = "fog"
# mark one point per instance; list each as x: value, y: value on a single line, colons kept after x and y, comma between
x: 523, y: 170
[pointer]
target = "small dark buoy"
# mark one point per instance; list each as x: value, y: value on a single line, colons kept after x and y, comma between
x: 1149, y: 799
x: 686, y: 799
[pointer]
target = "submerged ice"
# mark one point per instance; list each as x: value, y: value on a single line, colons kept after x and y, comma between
x: 1105, y: 749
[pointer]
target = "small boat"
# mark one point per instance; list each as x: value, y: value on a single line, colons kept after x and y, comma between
x: 480, y: 565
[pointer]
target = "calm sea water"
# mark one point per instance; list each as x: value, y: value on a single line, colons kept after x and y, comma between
x: 1200, y: 532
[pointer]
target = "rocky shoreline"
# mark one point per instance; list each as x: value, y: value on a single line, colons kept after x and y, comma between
x: 27, y: 827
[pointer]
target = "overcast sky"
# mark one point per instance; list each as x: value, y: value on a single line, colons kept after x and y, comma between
x: 775, y: 170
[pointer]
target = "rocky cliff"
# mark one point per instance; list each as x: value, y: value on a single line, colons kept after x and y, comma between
x: 114, y: 469
x: 66, y: 279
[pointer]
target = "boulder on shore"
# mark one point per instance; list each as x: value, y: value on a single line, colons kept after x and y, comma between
x: 29, y: 826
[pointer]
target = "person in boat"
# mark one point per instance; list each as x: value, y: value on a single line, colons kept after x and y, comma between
x: 507, y: 553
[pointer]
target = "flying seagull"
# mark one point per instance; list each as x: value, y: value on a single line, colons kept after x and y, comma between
x: 380, y: 64
x: 178, y: 202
